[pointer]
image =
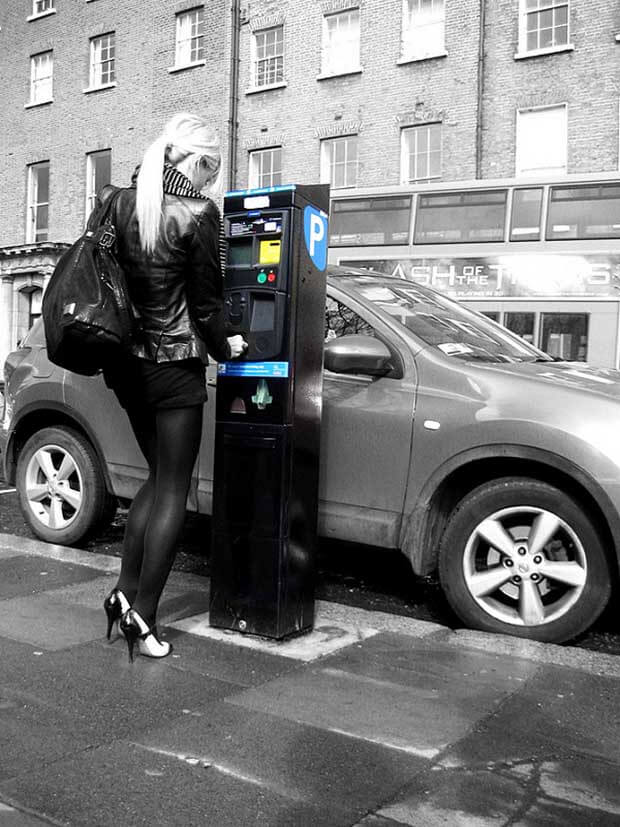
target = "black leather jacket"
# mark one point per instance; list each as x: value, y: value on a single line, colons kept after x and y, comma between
x: 177, y: 291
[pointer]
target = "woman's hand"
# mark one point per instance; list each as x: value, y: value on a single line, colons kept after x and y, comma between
x: 238, y: 346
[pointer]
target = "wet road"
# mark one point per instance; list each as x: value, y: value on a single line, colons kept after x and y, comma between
x: 351, y: 574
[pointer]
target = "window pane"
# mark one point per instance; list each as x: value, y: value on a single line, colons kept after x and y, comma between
x: 546, y: 24
x: 422, y: 153
x: 269, y: 57
x: 584, y: 212
x: 526, y: 211
x: 423, y: 28
x: 565, y: 335
x: 341, y: 42
x: 542, y: 141
x: 522, y: 324
x: 368, y: 221
x: 339, y: 158
x: 465, y: 217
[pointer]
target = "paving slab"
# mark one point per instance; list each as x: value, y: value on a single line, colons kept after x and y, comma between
x: 558, y: 712
x: 298, y: 761
x: 22, y: 575
x: 388, y: 690
x: 122, y: 784
x: 93, y: 691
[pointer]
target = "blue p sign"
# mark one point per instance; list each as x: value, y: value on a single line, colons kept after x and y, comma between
x: 315, y: 234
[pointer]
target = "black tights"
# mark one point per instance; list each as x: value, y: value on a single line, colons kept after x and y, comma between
x: 169, y: 440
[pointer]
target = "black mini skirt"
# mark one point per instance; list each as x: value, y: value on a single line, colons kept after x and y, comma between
x: 157, y: 385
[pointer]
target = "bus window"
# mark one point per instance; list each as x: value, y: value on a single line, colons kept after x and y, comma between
x: 522, y: 324
x: 584, y: 212
x: 565, y: 335
x: 526, y: 208
x: 491, y: 314
x: 460, y: 217
x: 369, y: 221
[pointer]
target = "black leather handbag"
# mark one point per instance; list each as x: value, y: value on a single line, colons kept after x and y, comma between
x: 88, y: 317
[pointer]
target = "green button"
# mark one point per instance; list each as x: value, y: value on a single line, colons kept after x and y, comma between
x: 261, y: 278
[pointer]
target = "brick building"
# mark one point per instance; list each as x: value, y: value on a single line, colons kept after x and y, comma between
x: 357, y: 92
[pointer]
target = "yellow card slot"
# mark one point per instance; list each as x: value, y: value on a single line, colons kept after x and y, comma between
x: 269, y: 251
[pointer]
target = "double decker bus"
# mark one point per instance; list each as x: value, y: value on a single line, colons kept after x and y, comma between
x: 542, y: 257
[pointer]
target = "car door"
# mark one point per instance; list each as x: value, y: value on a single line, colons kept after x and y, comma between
x: 366, y: 433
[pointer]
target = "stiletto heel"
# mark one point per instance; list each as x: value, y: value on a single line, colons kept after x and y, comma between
x: 135, y: 629
x: 115, y: 605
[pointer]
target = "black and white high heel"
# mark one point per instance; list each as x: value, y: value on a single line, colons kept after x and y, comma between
x: 135, y: 628
x: 115, y: 605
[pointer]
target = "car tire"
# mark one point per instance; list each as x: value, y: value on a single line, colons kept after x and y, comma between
x: 521, y: 557
x: 60, y: 484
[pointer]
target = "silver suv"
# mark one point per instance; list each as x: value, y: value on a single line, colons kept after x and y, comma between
x: 443, y: 435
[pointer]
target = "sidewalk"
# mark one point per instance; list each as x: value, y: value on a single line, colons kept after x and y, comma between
x: 370, y: 721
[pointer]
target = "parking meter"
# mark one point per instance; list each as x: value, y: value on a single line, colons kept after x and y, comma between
x: 268, y: 411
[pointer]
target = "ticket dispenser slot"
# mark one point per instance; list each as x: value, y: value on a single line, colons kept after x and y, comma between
x: 268, y: 406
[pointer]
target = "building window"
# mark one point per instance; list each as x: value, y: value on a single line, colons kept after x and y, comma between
x: 339, y: 162
x: 423, y: 29
x: 421, y: 153
x: 41, y: 77
x: 542, y: 141
x: 41, y: 6
x: 544, y: 25
x: 38, y: 202
x: 190, y: 38
x: 102, y: 60
x: 268, y: 56
x: 98, y: 174
x: 341, y: 43
x: 266, y: 167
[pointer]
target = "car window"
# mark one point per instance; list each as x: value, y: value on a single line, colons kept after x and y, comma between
x: 443, y: 323
x: 340, y: 320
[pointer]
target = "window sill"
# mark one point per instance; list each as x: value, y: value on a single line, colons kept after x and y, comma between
x: 90, y: 89
x: 40, y: 15
x: 345, y: 73
x: 253, y: 90
x: 404, y: 60
x: 34, y: 104
x: 185, y: 66
x: 553, y: 50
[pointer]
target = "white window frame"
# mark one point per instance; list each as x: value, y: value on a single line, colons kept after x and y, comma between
x: 544, y: 6
x: 273, y: 61
x: 41, y: 78
x: 96, y: 73
x: 41, y: 8
x: 423, y: 34
x: 91, y: 169
x: 189, y: 38
x: 329, y: 162
x: 341, y: 55
x: 416, y: 130
x: 33, y: 203
x: 258, y: 174
x: 523, y: 170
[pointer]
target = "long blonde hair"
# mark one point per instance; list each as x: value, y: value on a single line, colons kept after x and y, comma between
x: 184, y: 134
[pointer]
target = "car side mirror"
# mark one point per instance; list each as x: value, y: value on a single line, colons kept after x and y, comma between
x: 357, y: 354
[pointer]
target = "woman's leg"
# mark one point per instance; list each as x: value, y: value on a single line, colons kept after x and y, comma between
x: 178, y: 434
x: 144, y: 427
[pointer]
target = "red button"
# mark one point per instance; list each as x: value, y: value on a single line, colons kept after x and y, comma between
x: 271, y: 277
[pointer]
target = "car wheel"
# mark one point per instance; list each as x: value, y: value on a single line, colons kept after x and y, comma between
x: 521, y: 557
x: 60, y: 485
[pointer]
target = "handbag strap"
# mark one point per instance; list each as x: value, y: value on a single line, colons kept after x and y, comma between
x: 101, y: 215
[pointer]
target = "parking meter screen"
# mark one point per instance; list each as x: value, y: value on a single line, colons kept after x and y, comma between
x: 240, y: 253
x: 263, y: 314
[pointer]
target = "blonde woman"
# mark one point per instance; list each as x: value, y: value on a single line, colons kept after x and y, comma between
x: 168, y: 235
